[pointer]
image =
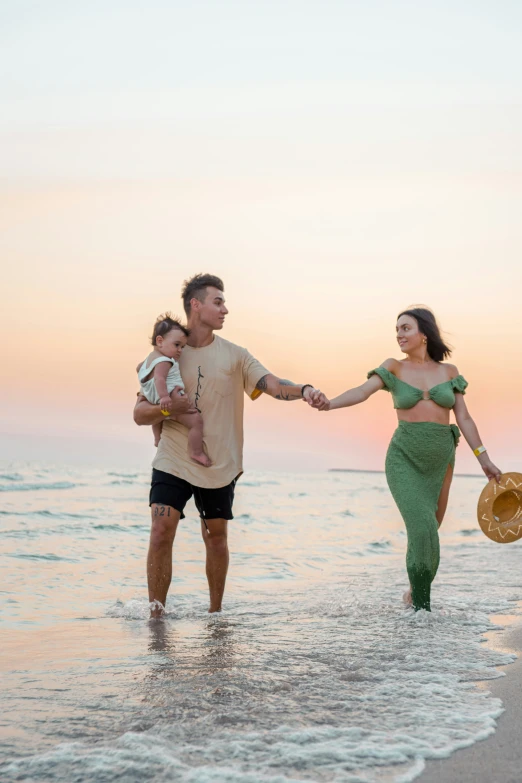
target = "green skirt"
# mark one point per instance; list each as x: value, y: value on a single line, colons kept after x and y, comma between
x: 416, y: 464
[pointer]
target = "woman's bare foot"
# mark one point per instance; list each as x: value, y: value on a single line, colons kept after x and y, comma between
x: 407, y: 597
x: 202, y: 459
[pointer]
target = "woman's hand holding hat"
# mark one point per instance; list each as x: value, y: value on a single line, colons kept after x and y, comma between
x: 499, y: 508
x: 491, y: 470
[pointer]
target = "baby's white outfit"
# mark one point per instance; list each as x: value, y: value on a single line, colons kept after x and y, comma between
x: 148, y: 388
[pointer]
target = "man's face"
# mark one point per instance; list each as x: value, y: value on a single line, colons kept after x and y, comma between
x: 212, y: 310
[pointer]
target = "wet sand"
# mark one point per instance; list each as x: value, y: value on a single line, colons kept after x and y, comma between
x: 498, y: 758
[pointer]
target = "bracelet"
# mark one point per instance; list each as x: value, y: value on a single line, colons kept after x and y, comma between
x: 306, y: 386
x: 479, y: 450
x: 165, y: 413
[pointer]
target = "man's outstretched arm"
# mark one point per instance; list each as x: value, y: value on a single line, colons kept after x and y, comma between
x: 148, y: 414
x: 281, y: 389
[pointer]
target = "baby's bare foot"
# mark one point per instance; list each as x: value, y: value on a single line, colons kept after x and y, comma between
x: 202, y: 459
x: 407, y: 597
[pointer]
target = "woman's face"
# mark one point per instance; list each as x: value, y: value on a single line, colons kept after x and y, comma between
x: 408, y: 335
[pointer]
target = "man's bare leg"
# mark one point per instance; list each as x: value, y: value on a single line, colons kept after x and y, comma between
x: 217, y: 559
x: 164, y: 522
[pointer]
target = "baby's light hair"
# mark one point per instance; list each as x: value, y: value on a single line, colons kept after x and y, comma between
x: 165, y: 324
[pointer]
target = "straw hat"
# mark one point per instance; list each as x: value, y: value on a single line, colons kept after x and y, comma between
x: 499, y: 509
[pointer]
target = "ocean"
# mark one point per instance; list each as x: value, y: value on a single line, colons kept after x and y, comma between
x: 314, y: 671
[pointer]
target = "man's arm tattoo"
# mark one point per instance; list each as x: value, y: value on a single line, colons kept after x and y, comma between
x: 285, y: 396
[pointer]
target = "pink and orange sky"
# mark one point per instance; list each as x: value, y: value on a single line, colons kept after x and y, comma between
x: 332, y: 162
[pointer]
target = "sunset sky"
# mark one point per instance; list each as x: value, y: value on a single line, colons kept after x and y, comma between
x: 333, y: 162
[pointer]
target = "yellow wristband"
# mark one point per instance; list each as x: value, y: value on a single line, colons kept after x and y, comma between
x: 479, y: 450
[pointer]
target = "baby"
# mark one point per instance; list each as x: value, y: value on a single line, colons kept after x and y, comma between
x: 159, y: 375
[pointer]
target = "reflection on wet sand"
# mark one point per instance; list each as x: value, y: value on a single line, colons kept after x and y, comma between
x: 212, y: 645
x: 188, y: 664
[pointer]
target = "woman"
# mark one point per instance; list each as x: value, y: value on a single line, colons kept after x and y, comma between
x: 421, y: 454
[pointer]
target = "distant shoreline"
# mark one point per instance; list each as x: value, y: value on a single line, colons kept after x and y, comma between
x: 359, y: 470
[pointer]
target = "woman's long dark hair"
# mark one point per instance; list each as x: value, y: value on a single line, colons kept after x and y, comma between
x: 428, y: 326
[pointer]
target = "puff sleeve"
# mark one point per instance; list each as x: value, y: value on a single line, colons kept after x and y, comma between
x: 459, y: 384
x: 387, y: 377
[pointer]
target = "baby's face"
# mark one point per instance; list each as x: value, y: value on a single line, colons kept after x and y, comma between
x: 172, y: 344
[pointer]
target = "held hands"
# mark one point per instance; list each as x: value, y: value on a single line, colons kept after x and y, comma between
x: 316, y: 399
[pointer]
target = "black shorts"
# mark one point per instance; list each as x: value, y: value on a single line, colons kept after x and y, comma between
x: 172, y: 491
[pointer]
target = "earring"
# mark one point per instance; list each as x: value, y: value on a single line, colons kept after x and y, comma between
x: 424, y: 341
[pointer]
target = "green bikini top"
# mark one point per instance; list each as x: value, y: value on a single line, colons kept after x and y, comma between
x: 407, y: 396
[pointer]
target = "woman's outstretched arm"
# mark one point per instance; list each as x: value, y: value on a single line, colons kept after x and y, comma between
x: 358, y: 394
x: 469, y: 429
x: 352, y: 396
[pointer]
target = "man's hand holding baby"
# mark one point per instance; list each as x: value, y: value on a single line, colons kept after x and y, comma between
x: 165, y: 404
x: 146, y: 414
x: 177, y: 403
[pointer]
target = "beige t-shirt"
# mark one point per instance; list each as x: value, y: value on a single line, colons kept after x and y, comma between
x: 215, y: 378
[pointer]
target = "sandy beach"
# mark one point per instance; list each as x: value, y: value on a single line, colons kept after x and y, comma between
x: 497, y: 759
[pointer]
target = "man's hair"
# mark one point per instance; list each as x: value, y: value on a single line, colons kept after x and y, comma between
x: 196, y: 288
x: 165, y: 324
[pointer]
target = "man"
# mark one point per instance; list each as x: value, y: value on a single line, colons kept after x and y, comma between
x: 216, y: 373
